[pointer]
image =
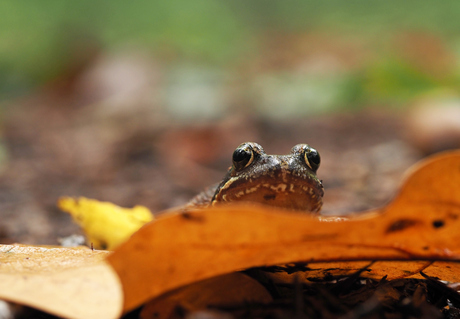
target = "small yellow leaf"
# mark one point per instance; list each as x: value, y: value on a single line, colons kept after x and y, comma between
x: 106, y: 225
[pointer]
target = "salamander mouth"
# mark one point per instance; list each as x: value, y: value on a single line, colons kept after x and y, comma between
x: 295, y: 193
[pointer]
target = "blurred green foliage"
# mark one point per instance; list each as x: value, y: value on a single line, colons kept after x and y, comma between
x: 37, y: 38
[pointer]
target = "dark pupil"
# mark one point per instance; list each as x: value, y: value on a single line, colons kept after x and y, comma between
x: 241, y: 155
x: 313, y: 157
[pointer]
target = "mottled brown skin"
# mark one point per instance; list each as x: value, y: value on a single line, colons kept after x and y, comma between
x: 285, y: 181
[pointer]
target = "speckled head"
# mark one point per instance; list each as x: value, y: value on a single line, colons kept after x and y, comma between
x: 286, y: 181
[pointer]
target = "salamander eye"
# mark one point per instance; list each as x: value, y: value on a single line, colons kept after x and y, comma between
x: 312, y: 158
x: 242, y: 157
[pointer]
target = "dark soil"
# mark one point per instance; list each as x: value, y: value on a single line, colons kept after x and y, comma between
x: 56, y: 148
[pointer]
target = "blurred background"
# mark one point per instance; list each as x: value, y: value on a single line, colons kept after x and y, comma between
x: 144, y: 102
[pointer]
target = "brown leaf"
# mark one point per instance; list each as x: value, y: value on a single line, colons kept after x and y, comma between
x: 320, y: 271
x: 421, y: 223
x: 314, y: 272
x: 226, y: 290
x: 73, y: 283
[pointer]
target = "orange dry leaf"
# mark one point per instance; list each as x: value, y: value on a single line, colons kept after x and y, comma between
x: 68, y: 282
x: 178, y: 249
